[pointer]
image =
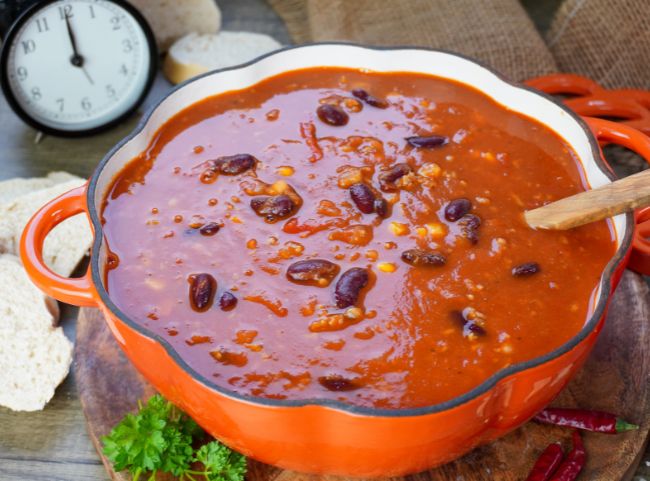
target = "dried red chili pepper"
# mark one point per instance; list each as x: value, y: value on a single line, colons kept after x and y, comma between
x: 547, y: 463
x: 597, y: 421
x: 574, y: 462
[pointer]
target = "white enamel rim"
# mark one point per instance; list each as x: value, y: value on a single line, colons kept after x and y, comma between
x: 439, y: 63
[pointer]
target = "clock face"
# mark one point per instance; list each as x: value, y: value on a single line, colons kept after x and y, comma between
x: 76, y: 65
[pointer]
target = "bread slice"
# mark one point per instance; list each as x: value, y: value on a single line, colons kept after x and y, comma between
x: 21, y: 302
x: 67, y: 243
x: 12, y: 188
x: 34, y: 356
x: 195, y: 54
x: 171, y: 19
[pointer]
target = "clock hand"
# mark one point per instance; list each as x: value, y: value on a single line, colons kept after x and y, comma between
x: 76, y: 59
x: 87, y: 75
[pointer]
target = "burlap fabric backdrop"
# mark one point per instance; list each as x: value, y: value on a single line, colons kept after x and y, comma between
x: 606, y: 40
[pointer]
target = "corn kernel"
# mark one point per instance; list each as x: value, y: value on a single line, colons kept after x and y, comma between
x: 353, y: 105
x: 422, y: 231
x: 437, y: 230
x: 372, y: 255
x: 390, y: 246
x: 278, y: 188
x: 251, y: 244
x: 353, y: 313
x: 236, y: 220
x: 398, y: 228
x: 387, y: 267
x: 285, y: 170
x: 430, y: 170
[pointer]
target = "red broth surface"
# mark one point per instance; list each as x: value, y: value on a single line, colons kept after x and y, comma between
x: 416, y: 334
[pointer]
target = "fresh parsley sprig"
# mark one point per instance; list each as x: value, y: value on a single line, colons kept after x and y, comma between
x: 160, y: 438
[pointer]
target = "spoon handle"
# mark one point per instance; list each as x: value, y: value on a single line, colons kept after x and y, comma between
x: 620, y: 196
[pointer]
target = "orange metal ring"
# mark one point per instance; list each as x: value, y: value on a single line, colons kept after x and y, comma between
x: 632, y: 109
x: 77, y: 291
x: 586, y: 97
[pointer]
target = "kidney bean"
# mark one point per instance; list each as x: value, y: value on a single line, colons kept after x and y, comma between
x: 234, y: 164
x: 371, y: 100
x: 337, y: 383
x: 366, y: 200
x: 388, y: 178
x: 457, y: 208
x: 202, y: 289
x: 227, y: 301
x: 332, y: 115
x: 469, y: 227
x: 470, y: 327
x: 273, y: 208
x: 420, y: 257
x: 348, y: 288
x: 381, y: 207
x: 526, y: 269
x: 210, y: 229
x: 363, y: 197
x: 319, y: 272
x: 427, y: 141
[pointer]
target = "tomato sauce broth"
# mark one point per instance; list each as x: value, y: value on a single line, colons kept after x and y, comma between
x: 472, y: 295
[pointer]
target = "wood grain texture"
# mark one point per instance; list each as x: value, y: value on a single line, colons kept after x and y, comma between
x: 616, y: 378
x: 623, y: 195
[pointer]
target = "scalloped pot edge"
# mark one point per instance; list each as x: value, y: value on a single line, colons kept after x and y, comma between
x: 328, y: 436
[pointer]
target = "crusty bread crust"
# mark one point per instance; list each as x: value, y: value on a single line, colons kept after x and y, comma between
x: 171, y: 19
x: 34, y: 355
x: 12, y: 188
x: 195, y: 54
x: 66, y: 244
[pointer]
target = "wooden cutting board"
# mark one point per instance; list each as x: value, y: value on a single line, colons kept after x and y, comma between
x: 616, y: 378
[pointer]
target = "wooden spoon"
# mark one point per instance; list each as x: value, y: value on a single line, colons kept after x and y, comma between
x: 620, y: 196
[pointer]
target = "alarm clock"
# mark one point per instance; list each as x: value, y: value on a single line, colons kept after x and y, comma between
x: 76, y: 67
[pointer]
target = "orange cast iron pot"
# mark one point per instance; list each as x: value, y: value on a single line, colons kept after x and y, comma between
x: 328, y: 436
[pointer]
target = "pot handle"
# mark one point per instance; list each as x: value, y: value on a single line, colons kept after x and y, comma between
x: 621, y: 134
x: 78, y: 291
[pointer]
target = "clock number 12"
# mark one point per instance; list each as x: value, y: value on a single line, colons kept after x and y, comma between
x: 65, y: 11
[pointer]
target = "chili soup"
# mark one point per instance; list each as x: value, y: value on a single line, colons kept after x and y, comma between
x: 339, y: 234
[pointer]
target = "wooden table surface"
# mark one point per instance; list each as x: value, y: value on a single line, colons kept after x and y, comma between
x: 52, y: 445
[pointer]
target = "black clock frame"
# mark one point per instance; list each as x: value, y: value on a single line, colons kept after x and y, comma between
x: 28, y: 119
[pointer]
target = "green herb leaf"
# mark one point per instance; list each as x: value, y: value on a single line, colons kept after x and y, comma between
x: 221, y: 463
x: 159, y: 438
x: 178, y: 454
